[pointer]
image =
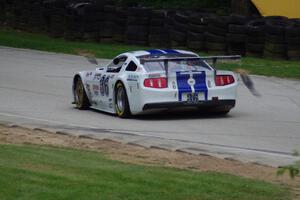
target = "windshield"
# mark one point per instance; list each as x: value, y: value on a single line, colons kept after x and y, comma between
x: 177, y: 65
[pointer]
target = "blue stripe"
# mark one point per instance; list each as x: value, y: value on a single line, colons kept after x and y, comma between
x: 184, y: 87
x: 200, y: 85
x: 171, y: 51
x: 155, y: 52
x: 182, y: 84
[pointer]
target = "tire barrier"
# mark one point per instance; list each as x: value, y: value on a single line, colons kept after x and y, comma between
x: 292, y: 37
x: 255, y: 41
x: 196, y: 31
x: 158, y: 35
x: 274, y: 37
x: 216, y: 32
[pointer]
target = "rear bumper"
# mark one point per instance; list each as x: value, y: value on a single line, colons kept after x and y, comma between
x: 205, y: 104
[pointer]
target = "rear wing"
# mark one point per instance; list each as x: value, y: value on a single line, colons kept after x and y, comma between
x: 213, y: 59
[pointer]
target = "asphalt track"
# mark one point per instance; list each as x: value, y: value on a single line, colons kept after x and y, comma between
x: 35, y: 90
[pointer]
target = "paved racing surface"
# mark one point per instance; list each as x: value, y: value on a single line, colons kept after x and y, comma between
x: 35, y: 90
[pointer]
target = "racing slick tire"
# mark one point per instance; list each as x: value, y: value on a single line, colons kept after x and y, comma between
x: 82, y: 101
x: 121, y: 101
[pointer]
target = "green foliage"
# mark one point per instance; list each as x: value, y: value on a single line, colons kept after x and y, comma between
x: 293, y: 170
x: 36, y: 172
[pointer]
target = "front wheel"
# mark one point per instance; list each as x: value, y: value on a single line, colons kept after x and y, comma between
x: 82, y: 101
x: 121, y: 101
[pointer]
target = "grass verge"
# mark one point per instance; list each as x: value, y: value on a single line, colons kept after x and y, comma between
x: 13, y: 38
x: 42, y: 172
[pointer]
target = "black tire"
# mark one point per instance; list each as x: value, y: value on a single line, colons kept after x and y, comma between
x: 277, y: 39
x: 180, y: 27
x: 157, y: 22
x: 293, y: 31
x: 293, y: 40
x: 222, y: 110
x: 158, y: 14
x: 178, y: 36
x: 214, y: 38
x: 236, y: 38
x: 195, y: 36
x: 294, y: 54
x: 180, y: 18
x: 197, y: 28
x: 81, y: 99
x: 121, y: 101
x: 239, y: 19
x: 275, y: 56
x: 216, y: 30
x: 197, y: 19
x: 255, y: 47
x: 239, y: 29
x: 276, y: 27
x: 276, y: 48
x: 195, y: 45
x: 216, y: 46
x: 256, y: 27
x: 143, y: 21
x: 255, y: 40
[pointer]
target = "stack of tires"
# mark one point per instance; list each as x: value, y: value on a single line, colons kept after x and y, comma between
x: 2, y: 12
x: 74, y: 21
x: 236, y: 36
x: 215, y: 37
x: 137, y: 30
x: 157, y: 30
x: 255, y: 42
x: 107, y: 29
x: 120, y: 21
x: 178, y: 33
x: 293, y: 40
x: 34, y: 15
x: 54, y: 13
x: 275, y: 44
x: 8, y: 15
x: 196, y: 30
x: 19, y: 19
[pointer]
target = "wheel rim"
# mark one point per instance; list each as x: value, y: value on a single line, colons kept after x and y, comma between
x: 79, y: 92
x: 120, y: 100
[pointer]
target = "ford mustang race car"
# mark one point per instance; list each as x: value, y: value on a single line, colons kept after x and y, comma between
x: 135, y: 82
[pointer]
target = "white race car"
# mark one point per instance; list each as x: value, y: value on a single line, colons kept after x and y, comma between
x: 135, y: 82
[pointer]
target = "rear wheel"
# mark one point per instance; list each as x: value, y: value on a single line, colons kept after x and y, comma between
x: 82, y: 101
x: 223, y: 110
x: 121, y: 101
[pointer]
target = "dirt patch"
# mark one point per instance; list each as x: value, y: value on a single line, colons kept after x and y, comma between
x: 139, y: 155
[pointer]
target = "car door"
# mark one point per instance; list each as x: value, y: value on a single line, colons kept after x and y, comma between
x: 103, y: 84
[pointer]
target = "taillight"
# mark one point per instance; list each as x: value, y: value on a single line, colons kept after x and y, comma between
x: 222, y: 80
x: 160, y: 82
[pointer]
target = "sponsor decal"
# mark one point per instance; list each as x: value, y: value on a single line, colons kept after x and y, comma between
x: 209, y: 84
x: 154, y: 75
x: 132, y: 77
x: 97, y: 76
x: 89, y: 92
x: 191, y: 82
x: 173, y: 84
x: 104, y: 89
x: 89, y: 74
x: 96, y: 89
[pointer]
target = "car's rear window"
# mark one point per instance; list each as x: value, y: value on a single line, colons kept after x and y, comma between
x: 177, y: 65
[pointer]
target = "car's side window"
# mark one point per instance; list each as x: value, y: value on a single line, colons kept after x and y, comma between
x: 116, y: 65
x: 131, y: 67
